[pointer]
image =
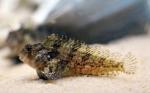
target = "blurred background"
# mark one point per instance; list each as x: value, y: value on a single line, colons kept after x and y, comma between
x: 92, y: 21
x: 119, y: 25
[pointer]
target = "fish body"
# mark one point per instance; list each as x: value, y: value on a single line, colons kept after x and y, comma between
x: 58, y: 56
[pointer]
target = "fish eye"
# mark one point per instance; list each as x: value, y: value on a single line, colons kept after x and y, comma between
x: 52, y: 54
x: 49, y: 56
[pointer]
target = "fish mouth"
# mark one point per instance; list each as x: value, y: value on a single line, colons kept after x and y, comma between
x: 25, y: 58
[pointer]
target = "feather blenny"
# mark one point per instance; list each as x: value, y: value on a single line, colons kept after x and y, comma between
x: 59, y: 57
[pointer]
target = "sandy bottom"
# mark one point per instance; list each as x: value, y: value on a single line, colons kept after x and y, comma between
x: 23, y: 79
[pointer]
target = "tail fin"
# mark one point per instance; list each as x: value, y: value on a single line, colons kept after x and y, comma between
x: 130, y: 63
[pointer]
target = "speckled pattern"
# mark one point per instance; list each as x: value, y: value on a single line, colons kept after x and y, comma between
x: 23, y: 79
x: 57, y: 57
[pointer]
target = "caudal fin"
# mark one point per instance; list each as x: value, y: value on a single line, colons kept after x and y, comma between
x: 130, y: 64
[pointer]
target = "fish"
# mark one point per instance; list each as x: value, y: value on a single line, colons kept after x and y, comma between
x: 59, y: 56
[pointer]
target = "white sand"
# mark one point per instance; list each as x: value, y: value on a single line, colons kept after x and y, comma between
x: 23, y: 79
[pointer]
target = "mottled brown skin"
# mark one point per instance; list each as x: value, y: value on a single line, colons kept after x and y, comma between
x: 59, y: 57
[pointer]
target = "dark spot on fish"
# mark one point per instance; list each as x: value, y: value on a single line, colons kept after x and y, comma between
x: 57, y: 44
x: 63, y: 63
x: 86, y: 57
x: 52, y: 54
